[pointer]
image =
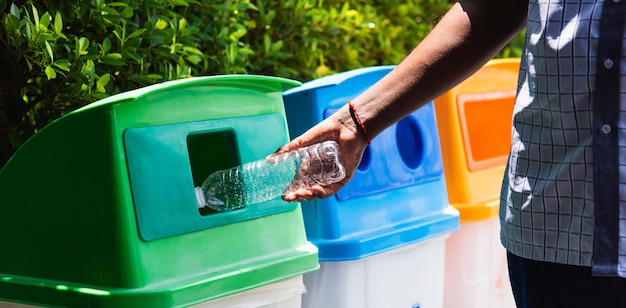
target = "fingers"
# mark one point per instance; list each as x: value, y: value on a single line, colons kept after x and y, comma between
x: 323, y: 131
x: 288, y: 147
x: 291, y: 145
x: 351, y: 150
x: 314, y: 192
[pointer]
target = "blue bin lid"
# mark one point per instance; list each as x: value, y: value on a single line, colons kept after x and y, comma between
x: 338, y: 79
x: 402, y: 235
x: 362, y: 227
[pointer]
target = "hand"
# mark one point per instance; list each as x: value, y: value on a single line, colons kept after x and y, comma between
x: 339, y: 128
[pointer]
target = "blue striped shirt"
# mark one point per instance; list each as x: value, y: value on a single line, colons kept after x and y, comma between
x: 564, y: 191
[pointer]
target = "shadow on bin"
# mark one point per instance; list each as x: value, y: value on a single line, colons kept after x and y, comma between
x: 98, y: 208
x: 381, y: 238
x: 474, y: 119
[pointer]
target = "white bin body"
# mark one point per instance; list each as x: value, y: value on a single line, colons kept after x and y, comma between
x: 282, y: 294
x: 476, y: 274
x: 407, y: 277
x: 16, y: 305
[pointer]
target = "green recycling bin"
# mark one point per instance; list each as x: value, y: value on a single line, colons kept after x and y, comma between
x: 98, y: 208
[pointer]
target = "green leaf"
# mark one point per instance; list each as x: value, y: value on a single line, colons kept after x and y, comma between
x: 50, y: 52
x: 246, y: 51
x: 155, y: 40
x: 106, y: 45
x: 232, y: 53
x: 92, y: 52
x: 161, y: 24
x: 50, y: 72
x: 15, y: 11
x: 81, y: 46
x: 102, y: 82
x: 29, y: 29
x: 277, y: 47
x: 11, y: 24
x: 109, y: 11
x: 44, y: 21
x: 46, y: 36
x: 58, y: 24
x: 35, y: 16
x: 240, y: 32
x: 192, y: 50
x: 114, y: 55
x: 267, y: 43
x: 89, y: 66
x: 179, y: 3
x: 182, y: 24
x: 131, y: 52
x: 63, y: 64
x: 136, y: 33
x: 3, y: 5
x: 133, y: 43
x: 154, y: 76
x: 117, y: 4
x: 126, y: 12
x: 194, y: 59
x: 110, y: 61
x: 89, y: 71
x: 118, y: 35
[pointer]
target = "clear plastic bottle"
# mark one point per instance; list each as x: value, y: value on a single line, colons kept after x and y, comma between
x: 264, y: 180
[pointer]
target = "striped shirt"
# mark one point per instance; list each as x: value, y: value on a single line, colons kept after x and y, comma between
x: 564, y: 191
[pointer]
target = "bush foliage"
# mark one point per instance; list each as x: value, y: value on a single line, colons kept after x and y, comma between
x: 59, y: 55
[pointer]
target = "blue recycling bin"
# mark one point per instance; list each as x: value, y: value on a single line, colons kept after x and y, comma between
x: 382, y: 233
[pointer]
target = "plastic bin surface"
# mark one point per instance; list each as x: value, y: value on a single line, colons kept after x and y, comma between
x: 398, y: 194
x: 476, y: 271
x: 411, y: 276
x: 98, y: 208
x: 474, y: 119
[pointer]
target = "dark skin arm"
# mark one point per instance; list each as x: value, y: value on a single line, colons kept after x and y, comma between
x: 469, y: 34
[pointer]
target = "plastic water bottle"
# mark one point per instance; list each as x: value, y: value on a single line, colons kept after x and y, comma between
x: 264, y: 180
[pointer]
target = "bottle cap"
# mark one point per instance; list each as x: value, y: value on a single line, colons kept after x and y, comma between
x: 200, y: 197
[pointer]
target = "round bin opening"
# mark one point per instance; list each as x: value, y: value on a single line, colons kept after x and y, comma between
x: 366, y: 160
x: 410, y: 142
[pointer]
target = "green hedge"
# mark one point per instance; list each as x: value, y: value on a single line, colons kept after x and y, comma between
x: 59, y: 55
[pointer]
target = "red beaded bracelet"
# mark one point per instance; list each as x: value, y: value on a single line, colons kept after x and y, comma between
x: 357, y: 119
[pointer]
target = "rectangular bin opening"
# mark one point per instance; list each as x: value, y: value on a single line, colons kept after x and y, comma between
x: 486, y: 127
x: 210, y: 152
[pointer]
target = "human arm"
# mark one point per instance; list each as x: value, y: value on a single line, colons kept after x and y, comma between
x: 467, y: 36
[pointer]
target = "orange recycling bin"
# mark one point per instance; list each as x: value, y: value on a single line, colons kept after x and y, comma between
x: 474, y: 121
